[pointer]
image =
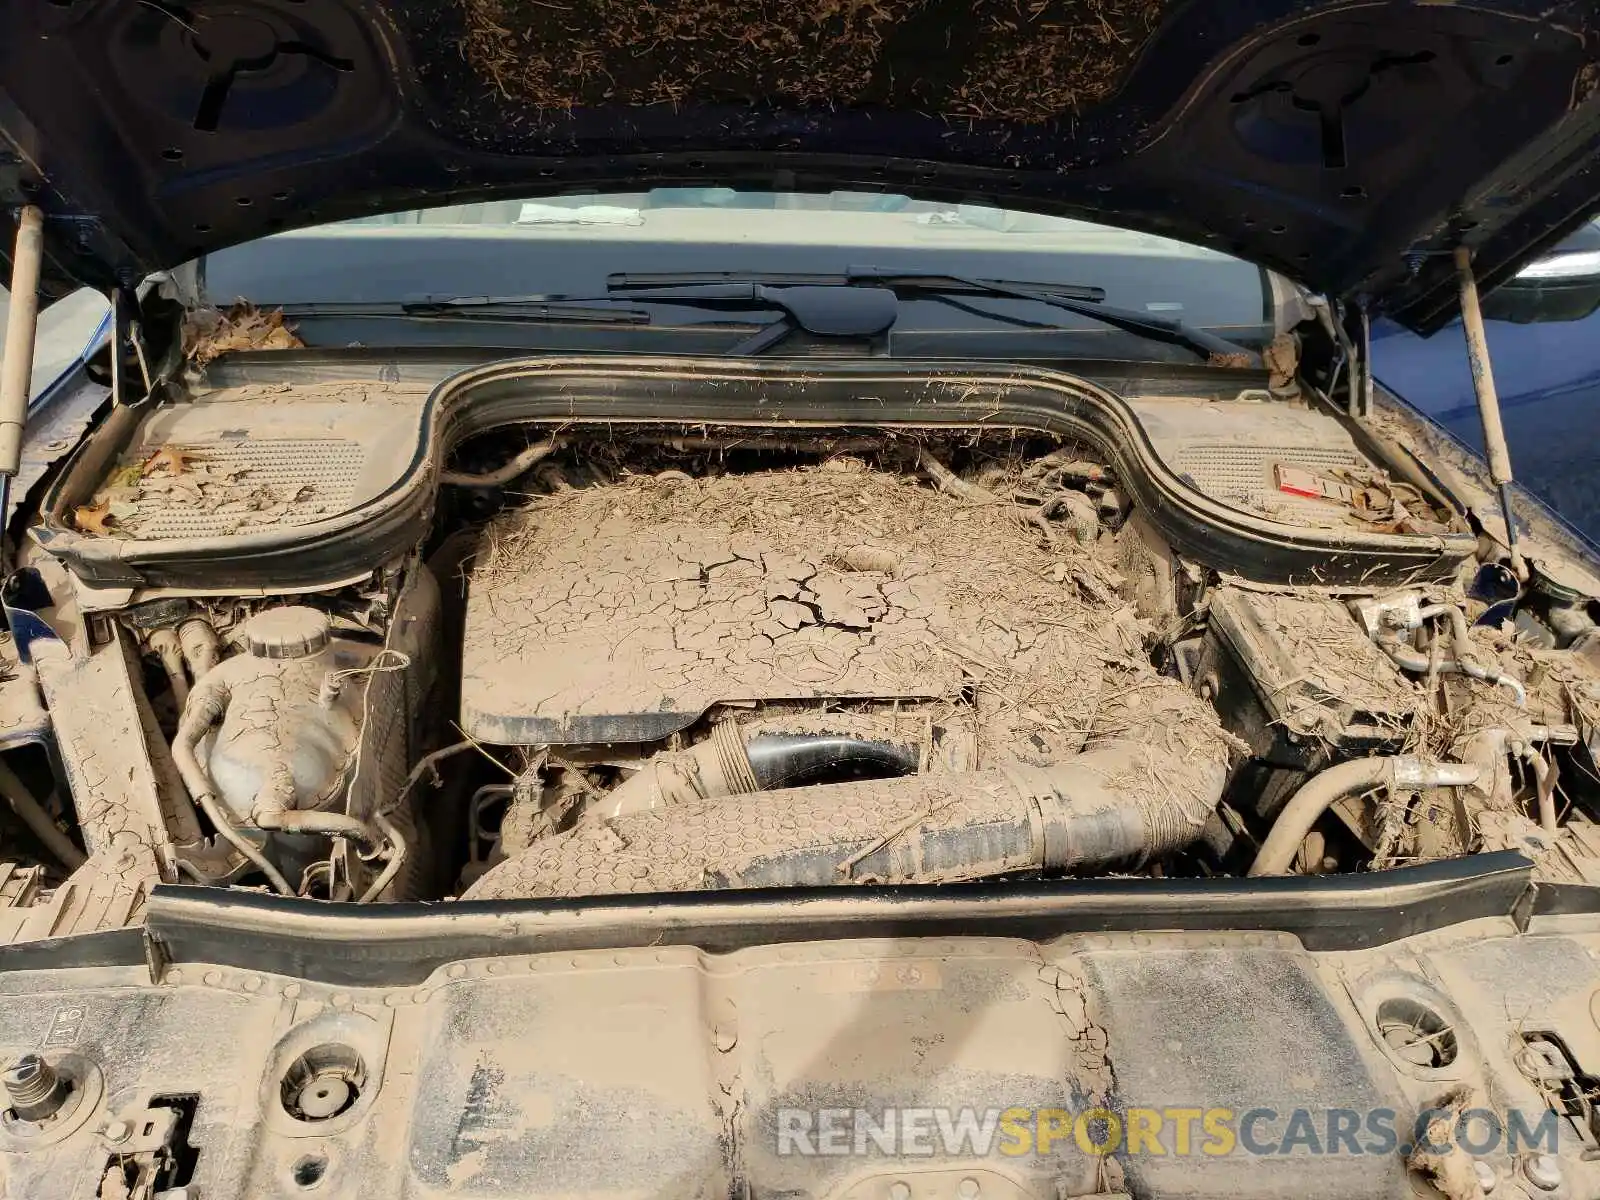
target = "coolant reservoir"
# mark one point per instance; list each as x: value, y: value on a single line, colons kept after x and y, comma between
x: 286, y: 737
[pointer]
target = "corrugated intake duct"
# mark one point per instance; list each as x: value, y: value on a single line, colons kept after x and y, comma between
x: 1122, y: 802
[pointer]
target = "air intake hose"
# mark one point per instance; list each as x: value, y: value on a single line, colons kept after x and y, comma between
x: 1122, y: 802
x: 790, y: 760
x: 723, y: 765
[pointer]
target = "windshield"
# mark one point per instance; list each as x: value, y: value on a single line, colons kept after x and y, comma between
x: 576, y: 246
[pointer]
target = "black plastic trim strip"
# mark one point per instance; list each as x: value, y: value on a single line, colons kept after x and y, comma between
x: 788, y: 393
x: 397, y: 945
x: 1565, y: 900
x: 430, y: 365
x: 103, y: 948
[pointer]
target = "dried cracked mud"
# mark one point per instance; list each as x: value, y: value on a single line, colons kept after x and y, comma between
x: 833, y: 581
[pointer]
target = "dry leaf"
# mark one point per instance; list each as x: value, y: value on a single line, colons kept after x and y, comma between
x: 94, y: 518
x: 208, y: 334
x: 278, y: 339
x: 172, y: 460
x: 1230, y: 359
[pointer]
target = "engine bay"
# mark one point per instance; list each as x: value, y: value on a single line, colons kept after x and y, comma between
x: 801, y: 619
x: 538, y: 636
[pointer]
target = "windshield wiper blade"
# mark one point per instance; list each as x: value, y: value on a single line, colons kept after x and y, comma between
x: 467, y: 308
x: 537, y: 308
x: 892, y: 278
x: 1168, y: 330
x: 829, y: 310
x: 866, y: 306
x: 1074, y: 298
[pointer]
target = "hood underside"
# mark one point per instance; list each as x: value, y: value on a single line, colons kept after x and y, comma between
x: 1346, y: 145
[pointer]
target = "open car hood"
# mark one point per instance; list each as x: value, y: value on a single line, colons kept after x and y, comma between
x: 1348, y: 145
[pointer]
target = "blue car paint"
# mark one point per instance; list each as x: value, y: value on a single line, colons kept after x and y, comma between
x: 1548, y: 377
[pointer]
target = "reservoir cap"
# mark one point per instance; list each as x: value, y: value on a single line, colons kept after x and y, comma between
x: 294, y: 632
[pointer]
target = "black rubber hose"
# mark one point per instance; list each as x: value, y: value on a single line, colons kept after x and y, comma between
x: 723, y: 765
x: 787, y: 760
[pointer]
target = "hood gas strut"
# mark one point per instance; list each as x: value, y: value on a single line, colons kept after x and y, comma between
x: 1494, y: 434
x: 16, y: 369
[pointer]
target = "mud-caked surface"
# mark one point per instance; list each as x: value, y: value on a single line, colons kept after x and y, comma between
x: 669, y: 595
x: 1316, y: 663
x: 850, y: 833
x: 249, y: 458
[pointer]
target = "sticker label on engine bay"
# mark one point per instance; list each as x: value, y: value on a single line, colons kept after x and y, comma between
x: 66, y: 1025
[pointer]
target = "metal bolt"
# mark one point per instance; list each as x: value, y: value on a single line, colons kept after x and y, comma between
x: 1543, y: 1171
x: 37, y: 1092
x: 325, y: 1097
x: 968, y: 1189
x: 899, y: 1190
x: 1486, y: 1176
x: 117, y: 1131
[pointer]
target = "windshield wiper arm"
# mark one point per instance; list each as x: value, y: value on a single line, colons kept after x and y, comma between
x: 828, y: 310
x: 864, y: 307
x: 1168, y: 330
x: 892, y: 278
x: 1074, y: 298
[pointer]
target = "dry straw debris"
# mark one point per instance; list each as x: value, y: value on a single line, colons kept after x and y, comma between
x: 1025, y: 61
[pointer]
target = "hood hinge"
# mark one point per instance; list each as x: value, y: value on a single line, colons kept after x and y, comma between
x: 1351, y: 364
x: 147, y: 343
x: 131, y: 379
x: 1362, y: 400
